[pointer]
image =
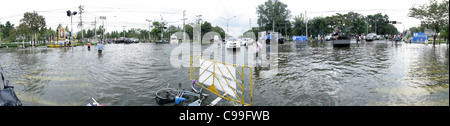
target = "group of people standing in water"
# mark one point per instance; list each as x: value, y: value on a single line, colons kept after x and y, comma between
x: 99, y: 46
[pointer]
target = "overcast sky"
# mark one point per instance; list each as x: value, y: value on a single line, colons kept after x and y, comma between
x: 133, y: 13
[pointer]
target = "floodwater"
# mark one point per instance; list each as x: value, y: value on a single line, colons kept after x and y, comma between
x: 309, y: 74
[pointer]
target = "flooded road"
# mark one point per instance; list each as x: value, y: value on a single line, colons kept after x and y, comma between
x: 309, y: 74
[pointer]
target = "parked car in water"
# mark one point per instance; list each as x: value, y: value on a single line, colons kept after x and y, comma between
x: 173, y: 39
x: 127, y: 40
x: 134, y: 40
x: 371, y: 37
x: 379, y: 37
x: 328, y: 37
x: 246, y: 41
x: 232, y: 43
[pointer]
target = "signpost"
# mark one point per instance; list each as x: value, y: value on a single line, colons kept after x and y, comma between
x: 430, y: 32
x: 420, y: 37
x: 299, y: 38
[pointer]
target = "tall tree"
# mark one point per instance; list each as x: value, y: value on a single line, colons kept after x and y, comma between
x: 206, y: 27
x: 299, y: 26
x: 254, y: 30
x: 336, y: 21
x: 273, y: 11
x: 434, y: 15
x: 445, y: 32
x: 355, y: 23
x: 144, y: 34
x: 189, y: 31
x: 46, y: 33
x: 391, y: 29
x: 219, y: 30
x: 32, y: 22
x: 157, y: 29
x: 23, y: 32
x: 318, y: 26
x: 6, y: 32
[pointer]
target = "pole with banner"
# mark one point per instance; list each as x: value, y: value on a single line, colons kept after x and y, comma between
x: 420, y: 37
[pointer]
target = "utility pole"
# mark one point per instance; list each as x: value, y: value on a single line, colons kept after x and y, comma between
x: 199, y: 18
x: 306, y: 19
x: 184, y: 30
x: 71, y: 14
x: 103, y: 18
x: 81, y: 21
x: 162, y: 30
x: 376, y: 25
x: 149, y: 25
x: 71, y: 27
x: 367, y: 26
x: 227, y: 23
x: 259, y: 27
x: 273, y: 25
x: 95, y: 26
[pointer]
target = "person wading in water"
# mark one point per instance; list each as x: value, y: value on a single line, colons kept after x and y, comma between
x: 100, y: 47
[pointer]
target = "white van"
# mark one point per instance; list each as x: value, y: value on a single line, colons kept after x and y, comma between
x: 173, y: 39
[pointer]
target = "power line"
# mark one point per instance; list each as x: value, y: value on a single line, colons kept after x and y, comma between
x: 59, y: 10
x: 146, y: 8
x: 55, y: 10
x: 131, y: 11
x: 11, y: 16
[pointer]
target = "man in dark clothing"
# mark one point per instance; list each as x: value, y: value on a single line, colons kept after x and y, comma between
x: 268, y: 38
x: 336, y: 33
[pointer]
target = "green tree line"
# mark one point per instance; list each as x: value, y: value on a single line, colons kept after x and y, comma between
x: 32, y: 28
x: 273, y: 15
x: 433, y: 15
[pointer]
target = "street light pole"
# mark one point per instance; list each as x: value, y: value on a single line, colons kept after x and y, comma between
x: 367, y: 25
x: 71, y: 27
x: 162, y: 30
x: 71, y: 14
x: 273, y: 23
x: 259, y: 27
x: 376, y: 25
x: 376, y: 20
x: 103, y: 18
x: 81, y: 22
x: 227, y: 23
x: 306, y: 22
x: 149, y: 24
x: 184, y: 30
x: 199, y: 19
